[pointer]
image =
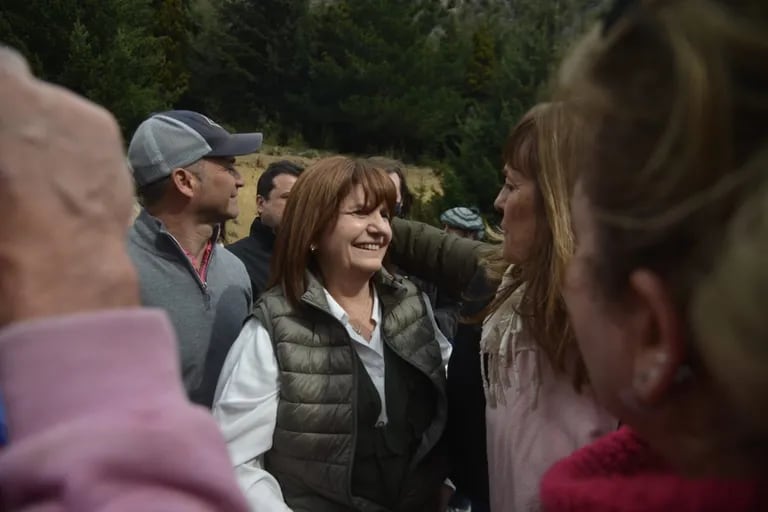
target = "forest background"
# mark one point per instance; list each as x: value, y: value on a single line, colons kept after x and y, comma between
x: 435, y: 83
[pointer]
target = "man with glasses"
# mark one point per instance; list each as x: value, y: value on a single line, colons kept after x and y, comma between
x: 187, y: 184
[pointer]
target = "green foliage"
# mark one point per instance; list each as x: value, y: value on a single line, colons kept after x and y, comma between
x: 426, y: 210
x: 379, y: 77
x: 104, y: 49
x: 528, y: 41
x: 430, y: 81
x: 472, y: 172
x: 245, y: 58
x: 172, y: 26
x: 482, y: 65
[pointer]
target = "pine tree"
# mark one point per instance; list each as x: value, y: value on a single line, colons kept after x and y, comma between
x: 102, y: 49
x: 378, y: 77
x: 246, y: 58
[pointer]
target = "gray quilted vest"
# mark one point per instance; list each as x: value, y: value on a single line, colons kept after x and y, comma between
x: 327, y: 454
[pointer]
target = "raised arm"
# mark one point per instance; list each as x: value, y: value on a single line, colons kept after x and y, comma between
x: 431, y: 254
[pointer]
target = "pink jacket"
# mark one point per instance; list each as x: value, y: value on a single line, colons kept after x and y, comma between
x: 534, y: 416
x: 98, y: 420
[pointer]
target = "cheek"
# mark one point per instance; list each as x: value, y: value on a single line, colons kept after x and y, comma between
x: 519, y: 225
x: 599, y: 340
x: 387, y: 232
x: 337, y: 241
x: 584, y: 315
x: 519, y: 210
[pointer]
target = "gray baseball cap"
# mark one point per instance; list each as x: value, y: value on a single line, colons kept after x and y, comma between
x: 176, y: 138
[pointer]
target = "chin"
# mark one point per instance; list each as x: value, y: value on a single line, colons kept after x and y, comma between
x: 369, y: 269
x: 513, y: 256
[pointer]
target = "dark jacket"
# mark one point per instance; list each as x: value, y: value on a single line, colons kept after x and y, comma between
x: 466, y: 438
x: 255, y: 251
x: 453, y: 264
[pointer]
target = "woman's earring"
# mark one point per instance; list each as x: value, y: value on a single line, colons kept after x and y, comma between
x: 313, y: 248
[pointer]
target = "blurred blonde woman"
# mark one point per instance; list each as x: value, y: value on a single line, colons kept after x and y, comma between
x: 666, y: 289
x: 539, y: 405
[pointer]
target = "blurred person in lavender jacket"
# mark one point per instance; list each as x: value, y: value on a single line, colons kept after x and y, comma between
x: 95, y: 407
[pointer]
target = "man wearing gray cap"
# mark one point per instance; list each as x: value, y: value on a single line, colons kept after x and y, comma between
x: 183, y: 166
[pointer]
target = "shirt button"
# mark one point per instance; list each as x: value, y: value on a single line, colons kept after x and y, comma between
x: 379, y: 424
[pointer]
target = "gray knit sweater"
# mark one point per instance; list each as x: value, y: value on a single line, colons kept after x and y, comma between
x: 207, y: 316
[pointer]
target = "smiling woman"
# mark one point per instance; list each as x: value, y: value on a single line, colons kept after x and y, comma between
x: 333, y: 396
x: 349, y: 204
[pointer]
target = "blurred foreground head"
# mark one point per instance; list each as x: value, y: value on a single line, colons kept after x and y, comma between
x: 671, y: 216
x: 65, y: 197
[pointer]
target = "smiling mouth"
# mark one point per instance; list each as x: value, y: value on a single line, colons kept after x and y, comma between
x: 369, y: 247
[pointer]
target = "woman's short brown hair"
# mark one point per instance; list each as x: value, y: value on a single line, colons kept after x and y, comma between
x: 312, y: 210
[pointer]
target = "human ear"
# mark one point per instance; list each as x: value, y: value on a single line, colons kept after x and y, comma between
x: 183, y: 180
x: 659, y: 337
x: 260, y: 204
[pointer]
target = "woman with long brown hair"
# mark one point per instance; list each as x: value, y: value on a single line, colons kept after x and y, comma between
x: 332, y: 398
x: 539, y: 406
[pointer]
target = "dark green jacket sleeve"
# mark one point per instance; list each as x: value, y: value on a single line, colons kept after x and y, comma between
x: 431, y: 254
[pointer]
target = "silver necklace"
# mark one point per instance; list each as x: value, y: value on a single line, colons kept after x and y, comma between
x: 355, y: 328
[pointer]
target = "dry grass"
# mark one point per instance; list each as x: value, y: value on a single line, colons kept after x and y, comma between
x: 419, y: 179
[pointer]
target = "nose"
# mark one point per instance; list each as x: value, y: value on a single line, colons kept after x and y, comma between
x: 239, y: 181
x: 379, y: 224
x: 501, y: 198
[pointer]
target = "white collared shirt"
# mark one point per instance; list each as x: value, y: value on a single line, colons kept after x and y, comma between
x: 245, y: 403
x: 370, y: 352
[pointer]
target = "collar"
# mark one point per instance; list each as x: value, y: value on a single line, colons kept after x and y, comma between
x: 388, y: 289
x: 620, y: 473
x: 149, y: 228
x: 259, y: 229
x: 338, y: 312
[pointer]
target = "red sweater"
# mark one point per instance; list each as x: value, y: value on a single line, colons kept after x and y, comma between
x: 619, y: 473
